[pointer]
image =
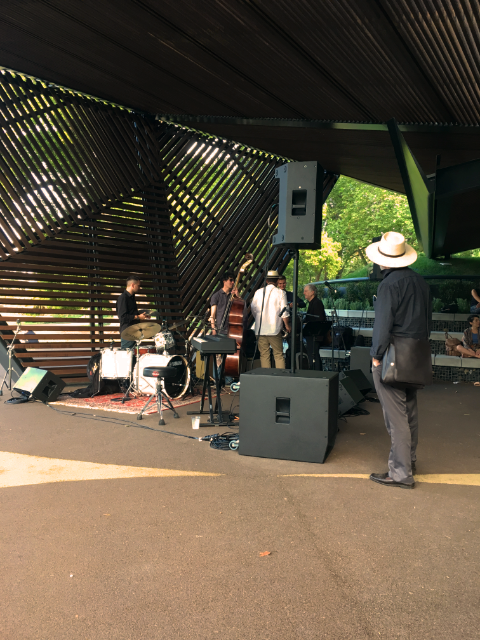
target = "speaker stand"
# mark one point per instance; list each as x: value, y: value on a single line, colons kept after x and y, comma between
x: 8, y: 372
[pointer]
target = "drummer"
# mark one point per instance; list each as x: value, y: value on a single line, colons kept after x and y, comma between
x: 127, y: 309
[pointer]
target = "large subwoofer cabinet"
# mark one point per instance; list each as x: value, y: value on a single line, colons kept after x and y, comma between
x: 288, y: 416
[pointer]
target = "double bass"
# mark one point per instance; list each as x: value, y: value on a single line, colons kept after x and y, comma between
x: 234, y: 310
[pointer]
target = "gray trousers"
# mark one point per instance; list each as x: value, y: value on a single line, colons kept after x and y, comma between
x: 401, y: 419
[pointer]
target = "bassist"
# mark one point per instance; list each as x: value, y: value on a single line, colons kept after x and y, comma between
x: 218, y: 303
x: 219, y: 308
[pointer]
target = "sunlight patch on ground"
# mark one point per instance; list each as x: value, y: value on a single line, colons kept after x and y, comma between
x: 18, y: 469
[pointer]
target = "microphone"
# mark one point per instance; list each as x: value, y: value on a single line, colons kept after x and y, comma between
x: 18, y: 321
x: 287, y: 308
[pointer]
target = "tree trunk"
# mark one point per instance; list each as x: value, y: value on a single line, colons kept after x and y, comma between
x: 362, y: 256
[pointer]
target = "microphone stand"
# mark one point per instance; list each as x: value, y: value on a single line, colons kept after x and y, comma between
x: 8, y: 372
x: 294, y: 254
x: 336, y: 322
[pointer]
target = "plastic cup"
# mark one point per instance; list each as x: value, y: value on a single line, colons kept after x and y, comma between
x: 195, y: 422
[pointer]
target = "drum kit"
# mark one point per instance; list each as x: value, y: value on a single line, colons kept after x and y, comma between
x: 120, y: 364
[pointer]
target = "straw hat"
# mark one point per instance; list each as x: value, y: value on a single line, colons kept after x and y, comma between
x: 392, y: 251
x: 273, y: 274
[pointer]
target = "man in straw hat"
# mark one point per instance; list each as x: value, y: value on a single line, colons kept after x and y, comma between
x: 402, y: 309
x: 270, y: 310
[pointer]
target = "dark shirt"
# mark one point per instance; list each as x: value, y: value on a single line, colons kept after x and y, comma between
x: 403, y: 308
x: 127, y: 310
x: 300, y: 303
x: 313, y: 323
x: 220, y: 300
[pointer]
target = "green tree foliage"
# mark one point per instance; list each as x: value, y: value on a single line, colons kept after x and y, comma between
x: 356, y: 212
x: 314, y: 265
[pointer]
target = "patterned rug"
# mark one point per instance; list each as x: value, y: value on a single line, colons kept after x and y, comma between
x: 133, y: 406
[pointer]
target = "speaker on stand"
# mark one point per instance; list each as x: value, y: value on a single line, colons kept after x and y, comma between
x: 292, y: 414
x: 299, y: 206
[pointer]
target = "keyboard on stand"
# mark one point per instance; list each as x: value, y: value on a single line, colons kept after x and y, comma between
x: 215, y: 344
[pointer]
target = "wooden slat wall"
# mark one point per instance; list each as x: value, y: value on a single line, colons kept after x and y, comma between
x: 66, y: 288
x: 91, y: 192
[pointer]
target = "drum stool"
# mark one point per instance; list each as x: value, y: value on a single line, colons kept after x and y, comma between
x: 160, y: 373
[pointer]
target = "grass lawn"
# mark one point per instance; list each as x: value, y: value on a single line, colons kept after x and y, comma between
x: 458, y: 266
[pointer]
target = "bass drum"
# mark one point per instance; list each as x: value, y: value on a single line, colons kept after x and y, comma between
x: 175, y: 387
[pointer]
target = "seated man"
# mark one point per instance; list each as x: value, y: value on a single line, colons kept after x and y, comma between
x: 475, y: 301
x: 471, y: 344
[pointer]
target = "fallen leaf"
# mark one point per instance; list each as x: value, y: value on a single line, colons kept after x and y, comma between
x: 264, y: 553
x: 363, y: 434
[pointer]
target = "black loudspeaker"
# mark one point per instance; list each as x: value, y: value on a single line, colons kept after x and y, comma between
x: 348, y: 394
x: 360, y: 358
x: 288, y: 416
x: 39, y: 384
x: 360, y: 380
x: 300, y: 205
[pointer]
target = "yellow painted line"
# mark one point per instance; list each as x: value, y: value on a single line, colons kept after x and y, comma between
x: 467, y: 479
x: 325, y: 475
x: 471, y: 479
x: 17, y: 469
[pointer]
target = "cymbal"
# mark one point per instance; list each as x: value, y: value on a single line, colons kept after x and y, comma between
x: 180, y: 323
x: 140, y: 331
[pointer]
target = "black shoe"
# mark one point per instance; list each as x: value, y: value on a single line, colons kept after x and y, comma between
x: 384, y: 478
x: 414, y: 467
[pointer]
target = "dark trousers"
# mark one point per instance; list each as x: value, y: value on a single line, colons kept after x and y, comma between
x: 314, y: 359
x: 401, y: 419
x: 127, y: 344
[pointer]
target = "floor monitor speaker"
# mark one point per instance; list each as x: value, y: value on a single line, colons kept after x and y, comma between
x: 39, y: 384
x: 348, y: 394
x: 288, y: 416
x: 360, y: 380
x: 300, y: 205
x: 360, y: 358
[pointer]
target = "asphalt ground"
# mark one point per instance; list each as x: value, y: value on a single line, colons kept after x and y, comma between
x: 88, y: 551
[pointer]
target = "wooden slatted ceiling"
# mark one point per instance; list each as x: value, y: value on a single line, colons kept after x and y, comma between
x: 90, y: 193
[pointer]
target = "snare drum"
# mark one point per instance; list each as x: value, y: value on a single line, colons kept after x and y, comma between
x: 175, y: 387
x: 143, y: 350
x: 115, y: 363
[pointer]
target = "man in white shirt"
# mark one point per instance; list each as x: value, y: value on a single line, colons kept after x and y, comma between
x: 269, y: 322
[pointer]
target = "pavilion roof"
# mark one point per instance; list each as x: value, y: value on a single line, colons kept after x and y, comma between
x: 303, y: 79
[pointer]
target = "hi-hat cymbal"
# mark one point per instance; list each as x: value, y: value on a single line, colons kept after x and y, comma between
x: 141, y: 331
